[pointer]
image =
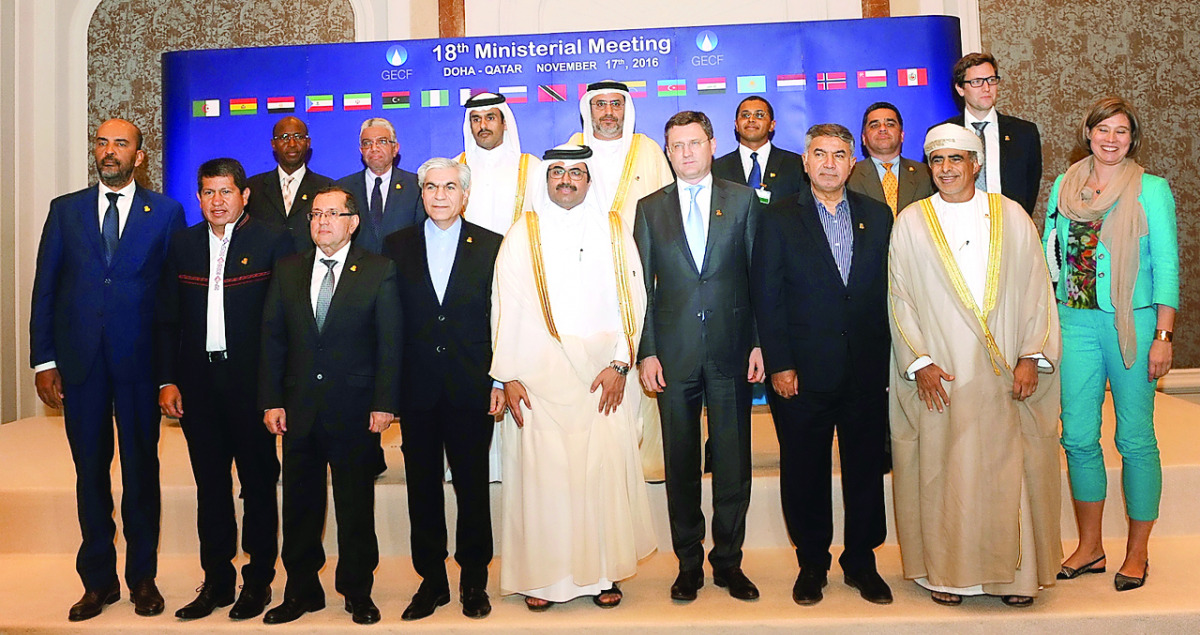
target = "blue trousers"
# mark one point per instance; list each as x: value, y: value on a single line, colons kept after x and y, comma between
x: 1090, y: 356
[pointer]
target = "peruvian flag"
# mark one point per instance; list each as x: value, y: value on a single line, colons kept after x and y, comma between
x: 912, y: 77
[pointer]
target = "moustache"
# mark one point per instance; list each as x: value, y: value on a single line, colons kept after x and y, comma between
x: 566, y: 186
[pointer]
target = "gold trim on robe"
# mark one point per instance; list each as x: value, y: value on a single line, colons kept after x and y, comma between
x: 539, y: 270
x: 522, y: 171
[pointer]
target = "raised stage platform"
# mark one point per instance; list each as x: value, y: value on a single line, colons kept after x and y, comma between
x: 39, y: 535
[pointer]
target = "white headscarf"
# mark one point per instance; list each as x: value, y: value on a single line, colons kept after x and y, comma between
x: 512, y: 141
x: 954, y: 136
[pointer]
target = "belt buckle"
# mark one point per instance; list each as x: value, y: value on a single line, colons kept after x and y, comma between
x: 217, y: 356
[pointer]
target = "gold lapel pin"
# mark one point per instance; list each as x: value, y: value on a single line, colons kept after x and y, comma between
x: 397, y: 186
x: 245, y: 261
x: 772, y: 175
x: 718, y: 212
x: 1006, y: 138
x: 146, y: 208
x: 862, y: 226
x: 470, y: 240
x: 911, y: 169
x: 304, y: 197
x: 353, y: 267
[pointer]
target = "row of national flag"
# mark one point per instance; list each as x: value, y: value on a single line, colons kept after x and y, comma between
x: 879, y: 78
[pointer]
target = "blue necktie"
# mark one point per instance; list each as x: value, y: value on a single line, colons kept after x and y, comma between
x: 108, y: 229
x: 755, y: 180
x: 694, y: 228
x: 981, y: 178
x: 377, y: 205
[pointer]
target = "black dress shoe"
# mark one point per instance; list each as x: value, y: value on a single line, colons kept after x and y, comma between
x: 870, y: 586
x: 362, y: 609
x: 739, y: 585
x: 425, y: 601
x: 292, y: 609
x: 687, y: 583
x: 1124, y: 582
x: 251, y: 603
x: 146, y: 598
x: 475, y: 602
x: 93, y: 602
x: 807, y: 590
x: 210, y: 599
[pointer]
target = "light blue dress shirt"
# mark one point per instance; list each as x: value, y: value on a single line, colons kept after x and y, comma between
x: 440, y: 247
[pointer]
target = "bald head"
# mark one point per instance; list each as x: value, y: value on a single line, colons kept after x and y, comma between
x: 290, y: 143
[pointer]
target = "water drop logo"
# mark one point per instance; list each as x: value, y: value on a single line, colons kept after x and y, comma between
x: 397, y: 55
x: 706, y: 41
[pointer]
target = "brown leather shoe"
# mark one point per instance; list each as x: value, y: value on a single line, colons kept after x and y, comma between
x: 146, y: 599
x: 93, y: 602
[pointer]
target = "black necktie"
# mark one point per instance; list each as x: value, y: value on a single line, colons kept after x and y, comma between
x: 108, y: 229
x: 377, y: 203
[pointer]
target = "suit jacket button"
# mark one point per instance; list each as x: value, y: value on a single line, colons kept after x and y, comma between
x: 847, y: 298
x: 108, y: 281
x: 844, y: 333
x: 441, y: 349
x: 320, y: 377
x: 441, y: 318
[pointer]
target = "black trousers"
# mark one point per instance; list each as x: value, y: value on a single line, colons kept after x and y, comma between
x: 349, y: 456
x: 728, y: 400
x: 465, y: 436
x: 805, y: 425
x: 223, y: 426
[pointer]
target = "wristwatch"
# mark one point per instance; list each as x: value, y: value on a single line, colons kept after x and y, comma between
x: 621, y: 370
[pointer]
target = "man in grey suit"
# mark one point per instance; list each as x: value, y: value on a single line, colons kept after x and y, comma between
x: 699, y: 345
x: 886, y: 176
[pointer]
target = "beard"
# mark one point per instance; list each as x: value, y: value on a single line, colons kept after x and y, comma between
x: 114, y: 174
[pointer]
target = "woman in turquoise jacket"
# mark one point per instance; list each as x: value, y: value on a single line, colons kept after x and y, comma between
x: 1111, y: 246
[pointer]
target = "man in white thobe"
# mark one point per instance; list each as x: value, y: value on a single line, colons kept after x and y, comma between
x: 567, y: 309
x: 974, y: 396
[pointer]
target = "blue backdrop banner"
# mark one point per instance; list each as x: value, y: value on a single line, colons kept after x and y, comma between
x: 225, y: 102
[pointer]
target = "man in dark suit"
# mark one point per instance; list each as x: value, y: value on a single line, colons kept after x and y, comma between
x: 773, y: 172
x: 329, y: 383
x: 387, y: 197
x: 695, y: 237
x: 91, y: 340
x: 209, y: 320
x: 820, y: 296
x: 444, y: 266
x: 283, y: 196
x: 886, y: 176
x: 1012, y: 147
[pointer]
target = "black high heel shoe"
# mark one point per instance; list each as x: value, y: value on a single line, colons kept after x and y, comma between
x: 1067, y: 573
x: 1128, y: 583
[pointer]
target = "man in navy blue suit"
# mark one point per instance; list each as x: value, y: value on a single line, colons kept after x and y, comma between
x: 387, y: 197
x: 91, y: 340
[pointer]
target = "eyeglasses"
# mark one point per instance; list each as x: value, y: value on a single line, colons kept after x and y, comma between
x: 312, y: 216
x: 692, y: 145
x: 757, y: 114
x: 576, y: 174
x: 979, y: 81
x: 615, y: 104
x: 295, y: 136
x: 367, y: 144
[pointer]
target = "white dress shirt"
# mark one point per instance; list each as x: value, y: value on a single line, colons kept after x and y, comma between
x: 991, y: 133
x: 763, y: 154
x: 123, y: 205
x: 290, y: 182
x: 703, y: 201
x: 214, y: 337
x: 384, y: 186
x: 319, y: 269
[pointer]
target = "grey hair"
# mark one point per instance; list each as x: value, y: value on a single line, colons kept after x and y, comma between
x: 439, y: 163
x: 378, y: 122
x: 835, y: 130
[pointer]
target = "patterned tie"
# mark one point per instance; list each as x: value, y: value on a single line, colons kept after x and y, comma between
x: 108, y: 229
x: 694, y: 228
x: 325, y: 294
x: 377, y: 203
x: 218, y: 276
x: 981, y: 179
x: 890, y: 187
x: 288, y: 195
x: 755, y: 180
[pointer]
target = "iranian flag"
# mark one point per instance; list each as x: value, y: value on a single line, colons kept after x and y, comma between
x: 356, y: 101
x: 912, y: 77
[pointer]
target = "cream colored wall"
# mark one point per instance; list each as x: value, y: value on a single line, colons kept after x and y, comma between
x: 43, y: 111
